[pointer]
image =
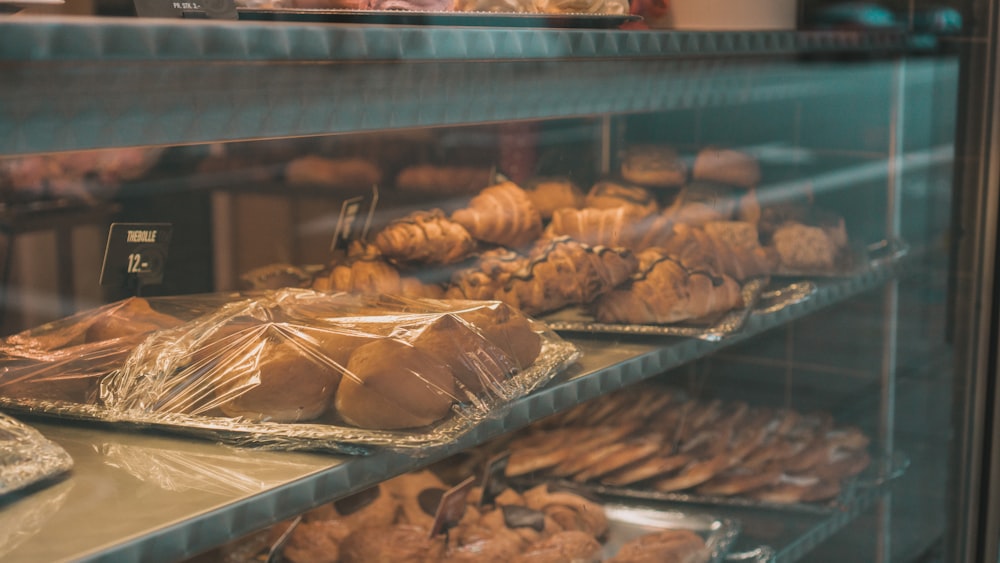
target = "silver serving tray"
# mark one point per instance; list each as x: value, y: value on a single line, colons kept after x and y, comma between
x: 27, y: 457
x: 465, y: 19
x: 556, y: 355
x: 855, y: 261
x: 578, y: 319
x: 877, y: 474
x: 628, y: 522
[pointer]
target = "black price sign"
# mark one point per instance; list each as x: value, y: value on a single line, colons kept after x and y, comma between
x: 136, y: 254
x: 355, y: 219
x: 494, y: 479
x: 452, y: 507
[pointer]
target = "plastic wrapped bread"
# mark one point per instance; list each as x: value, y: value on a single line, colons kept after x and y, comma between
x: 350, y: 366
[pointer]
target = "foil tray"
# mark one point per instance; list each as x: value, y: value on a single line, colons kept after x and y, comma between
x: 855, y: 261
x: 577, y: 319
x: 27, y: 457
x: 556, y: 355
x: 627, y: 522
x: 876, y: 475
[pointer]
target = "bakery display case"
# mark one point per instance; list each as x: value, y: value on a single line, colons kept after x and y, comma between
x: 736, y: 286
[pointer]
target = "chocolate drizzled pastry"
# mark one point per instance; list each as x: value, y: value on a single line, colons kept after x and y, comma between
x: 425, y: 236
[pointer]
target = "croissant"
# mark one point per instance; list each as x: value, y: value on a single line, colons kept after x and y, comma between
x: 552, y: 194
x: 502, y: 214
x: 425, y: 236
x: 614, y: 226
x: 664, y: 290
x: 565, y: 272
x: 729, y: 247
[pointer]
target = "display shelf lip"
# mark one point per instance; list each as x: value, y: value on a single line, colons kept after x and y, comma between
x: 77, y: 39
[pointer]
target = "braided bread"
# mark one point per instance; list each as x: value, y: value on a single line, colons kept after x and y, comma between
x: 664, y: 290
x: 425, y: 236
x: 501, y: 214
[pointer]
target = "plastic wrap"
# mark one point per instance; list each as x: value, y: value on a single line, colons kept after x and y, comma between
x: 27, y: 457
x: 286, y: 369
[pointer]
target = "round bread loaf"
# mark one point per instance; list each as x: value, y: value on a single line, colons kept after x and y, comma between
x: 278, y: 381
x: 509, y: 330
x: 390, y: 384
x: 476, y: 362
x: 134, y: 316
x: 726, y: 166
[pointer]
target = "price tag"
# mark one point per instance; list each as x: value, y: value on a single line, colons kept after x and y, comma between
x: 494, y: 479
x: 355, y: 219
x: 213, y: 9
x: 452, y: 507
x: 136, y: 254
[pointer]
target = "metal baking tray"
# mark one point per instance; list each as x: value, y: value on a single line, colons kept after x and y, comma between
x: 877, y: 474
x: 464, y: 19
x: 27, y: 457
x: 856, y: 260
x: 628, y: 522
x: 578, y: 319
x: 556, y: 355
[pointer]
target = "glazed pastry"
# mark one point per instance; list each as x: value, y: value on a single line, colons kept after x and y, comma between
x: 390, y: 384
x: 608, y: 195
x: 729, y: 247
x: 501, y: 214
x: 425, y: 236
x: 335, y: 173
x: 665, y: 290
x: 726, y: 166
x: 666, y: 546
x: 566, y: 272
x: 490, y: 274
x: 443, y: 180
x: 654, y: 166
x: 550, y: 195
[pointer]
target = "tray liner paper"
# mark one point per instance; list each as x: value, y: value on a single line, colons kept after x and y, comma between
x: 265, y: 369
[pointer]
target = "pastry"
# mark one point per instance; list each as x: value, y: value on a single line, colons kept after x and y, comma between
x: 269, y: 378
x: 315, y: 542
x: 424, y: 236
x: 608, y: 195
x: 565, y: 272
x: 571, y: 511
x: 701, y: 202
x: 665, y: 290
x: 390, y: 384
x: 491, y: 272
x: 400, y: 542
x: 614, y: 227
x: 654, y: 166
x: 363, y: 271
x: 476, y: 362
x: 501, y: 214
x: 508, y: 329
x: 801, y: 247
x: 552, y: 194
x: 726, y: 166
x: 728, y: 247
x: 372, y: 507
x: 335, y: 173
x: 562, y: 547
x: 666, y: 546
x: 443, y: 180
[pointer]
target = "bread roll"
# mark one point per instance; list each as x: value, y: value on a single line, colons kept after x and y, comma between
x: 390, y: 384
x: 476, y: 362
x: 608, y: 195
x: 726, y: 166
x: 653, y: 165
x: 274, y: 381
x: 802, y: 247
x: 133, y: 316
x: 336, y: 173
x: 508, y: 329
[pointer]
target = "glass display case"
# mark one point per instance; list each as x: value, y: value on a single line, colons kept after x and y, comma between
x: 758, y: 267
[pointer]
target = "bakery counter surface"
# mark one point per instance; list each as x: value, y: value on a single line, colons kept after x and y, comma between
x: 148, y: 497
